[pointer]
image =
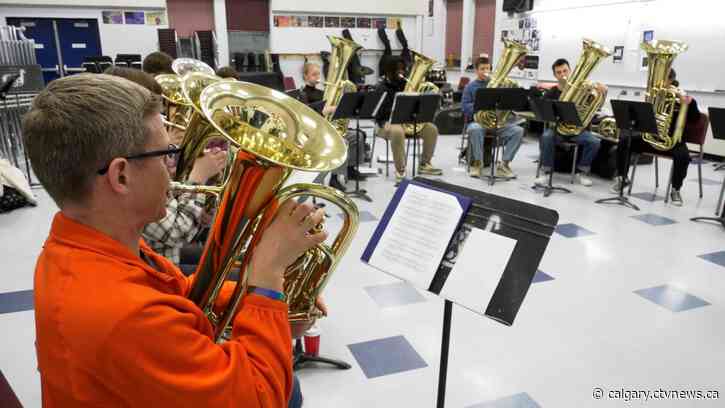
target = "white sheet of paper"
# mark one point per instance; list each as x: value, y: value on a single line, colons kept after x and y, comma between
x: 416, y: 237
x: 478, y: 269
x: 301, y: 177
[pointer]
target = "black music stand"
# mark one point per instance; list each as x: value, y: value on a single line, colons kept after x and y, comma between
x: 496, y: 100
x: 717, y: 123
x: 414, y: 109
x: 554, y: 113
x: 630, y: 117
x: 359, y: 105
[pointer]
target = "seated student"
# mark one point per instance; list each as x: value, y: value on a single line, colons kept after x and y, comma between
x: 312, y: 96
x: 157, y: 62
x: 113, y: 322
x: 510, y: 134
x: 392, y: 83
x: 185, y: 214
x: 588, y: 141
x: 679, y: 153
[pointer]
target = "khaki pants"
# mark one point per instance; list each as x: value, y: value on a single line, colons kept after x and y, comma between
x: 396, y: 135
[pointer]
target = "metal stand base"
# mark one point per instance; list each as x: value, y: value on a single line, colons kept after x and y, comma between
x: 550, y: 188
x: 300, y: 358
x: 719, y: 220
x: 621, y: 200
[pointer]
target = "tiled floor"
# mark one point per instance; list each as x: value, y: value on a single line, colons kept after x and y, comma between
x: 636, y: 303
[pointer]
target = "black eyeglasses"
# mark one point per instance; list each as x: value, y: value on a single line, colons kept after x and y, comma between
x: 170, y: 154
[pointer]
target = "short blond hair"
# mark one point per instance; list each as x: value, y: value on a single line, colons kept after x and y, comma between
x: 78, y: 124
x: 308, y: 66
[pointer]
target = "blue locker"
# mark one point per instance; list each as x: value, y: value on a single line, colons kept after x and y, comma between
x: 41, y: 30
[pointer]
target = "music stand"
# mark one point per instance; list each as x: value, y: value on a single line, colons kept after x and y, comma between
x: 359, y: 105
x: 496, y: 100
x: 554, y: 113
x: 717, y: 123
x: 414, y: 109
x: 630, y: 117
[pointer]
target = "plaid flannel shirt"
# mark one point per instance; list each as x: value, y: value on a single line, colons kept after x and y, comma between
x: 178, y: 228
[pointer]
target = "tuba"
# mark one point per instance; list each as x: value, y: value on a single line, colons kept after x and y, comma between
x: 513, y: 51
x: 274, y: 134
x: 177, y: 109
x: 583, y: 93
x: 337, y: 82
x: 665, y: 99
x: 416, y: 82
x: 182, y: 66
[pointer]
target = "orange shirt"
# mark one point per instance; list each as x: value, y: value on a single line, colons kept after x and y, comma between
x: 114, y: 332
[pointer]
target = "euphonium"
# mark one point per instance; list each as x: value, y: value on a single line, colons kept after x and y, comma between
x: 336, y: 79
x: 587, y: 98
x: 607, y: 129
x: 665, y: 99
x: 182, y: 66
x: 177, y: 109
x: 415, y: 82
x: 512, y: 52
x: 274, y: 134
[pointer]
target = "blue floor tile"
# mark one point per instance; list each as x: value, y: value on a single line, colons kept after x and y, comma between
x: 654, y: 219
x: 395, y: 294
x: 386, y: 356
x: 648, y: 197
x: 521, y: 400
x: 541, y: 277
x: 572, y: 231
x: 8, y: 399
x: 16, y: 301
x: 715, y: 257
x: 671, y: 298
x: 707, y: 182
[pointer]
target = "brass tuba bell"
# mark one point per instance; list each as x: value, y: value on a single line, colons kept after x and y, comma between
x: 273, y: 134
x: 512, y: 53
x: 336, y: 78
x: 415, y: 82
x: 177, y: 109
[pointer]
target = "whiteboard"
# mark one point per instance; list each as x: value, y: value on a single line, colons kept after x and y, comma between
x: 392, y: 7
x: 699, y: 23
x: 309, y: 40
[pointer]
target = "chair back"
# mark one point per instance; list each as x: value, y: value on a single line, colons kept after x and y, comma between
x: 696, y: 132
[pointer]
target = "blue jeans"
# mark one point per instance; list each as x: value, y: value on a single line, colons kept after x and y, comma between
x: 588, y: 148
x: 295, y: 400
x: 510, y: 136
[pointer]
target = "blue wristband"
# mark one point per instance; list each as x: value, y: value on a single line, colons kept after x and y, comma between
x: 269, y: 293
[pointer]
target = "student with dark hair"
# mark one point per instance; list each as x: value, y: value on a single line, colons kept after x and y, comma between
x: 158, y: 63
x: 680, y: 154
x: 588, y: 142
x: 510, y: 133
x: 227, y: 72
x: 394, y: 82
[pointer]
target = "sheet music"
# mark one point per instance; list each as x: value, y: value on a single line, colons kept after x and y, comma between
x: 478, y: 269
x: 415, y: 240
x: 299, y: 176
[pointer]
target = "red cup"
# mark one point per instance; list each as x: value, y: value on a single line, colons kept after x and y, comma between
x: 312, y: 341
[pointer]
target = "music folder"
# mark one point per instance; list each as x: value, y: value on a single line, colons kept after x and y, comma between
x: 477, y: 250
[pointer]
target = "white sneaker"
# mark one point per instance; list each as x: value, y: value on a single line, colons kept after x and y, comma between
x: 399, y: 177
x: 542, y: 180
x: 583, y: 180
x: 504, y: 171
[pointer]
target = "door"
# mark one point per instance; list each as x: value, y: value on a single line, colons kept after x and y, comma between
x: 46, y: 48
x: 78, y: 38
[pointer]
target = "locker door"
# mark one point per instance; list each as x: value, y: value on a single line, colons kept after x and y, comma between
x: 78, y: 38
x: 46, y: 50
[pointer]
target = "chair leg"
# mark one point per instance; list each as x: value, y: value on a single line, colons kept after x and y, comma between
x: 634, y: 171
x: 657, y: 173
x: 669, y: 183
x: 573, y: 164
x: 719, y: 200
x: 699, y: 169
x: 372, y: 151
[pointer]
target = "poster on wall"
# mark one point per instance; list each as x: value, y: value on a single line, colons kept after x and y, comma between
x: 332, y: 21
x: 315, y: 21
x: 347, y: 22
x: 134, y: 17
x: 393, y: 22
x: 380, y: 23
x: 281, y: 21
x: 155, y: 18
x: 525, y: 30
x: 112, y: 17
x: 618, y: 54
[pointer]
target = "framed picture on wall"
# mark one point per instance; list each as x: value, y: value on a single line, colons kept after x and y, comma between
x: 347, y: 22
x: 380, y: 23
x: 155, y: 18
x: 332, y: 21
x: 134, y: 17
x: 315, y: 21
x: 363, y: 22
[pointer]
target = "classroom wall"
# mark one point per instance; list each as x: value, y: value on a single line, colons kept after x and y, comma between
x: 115, y: 38
x: 187, y: 16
